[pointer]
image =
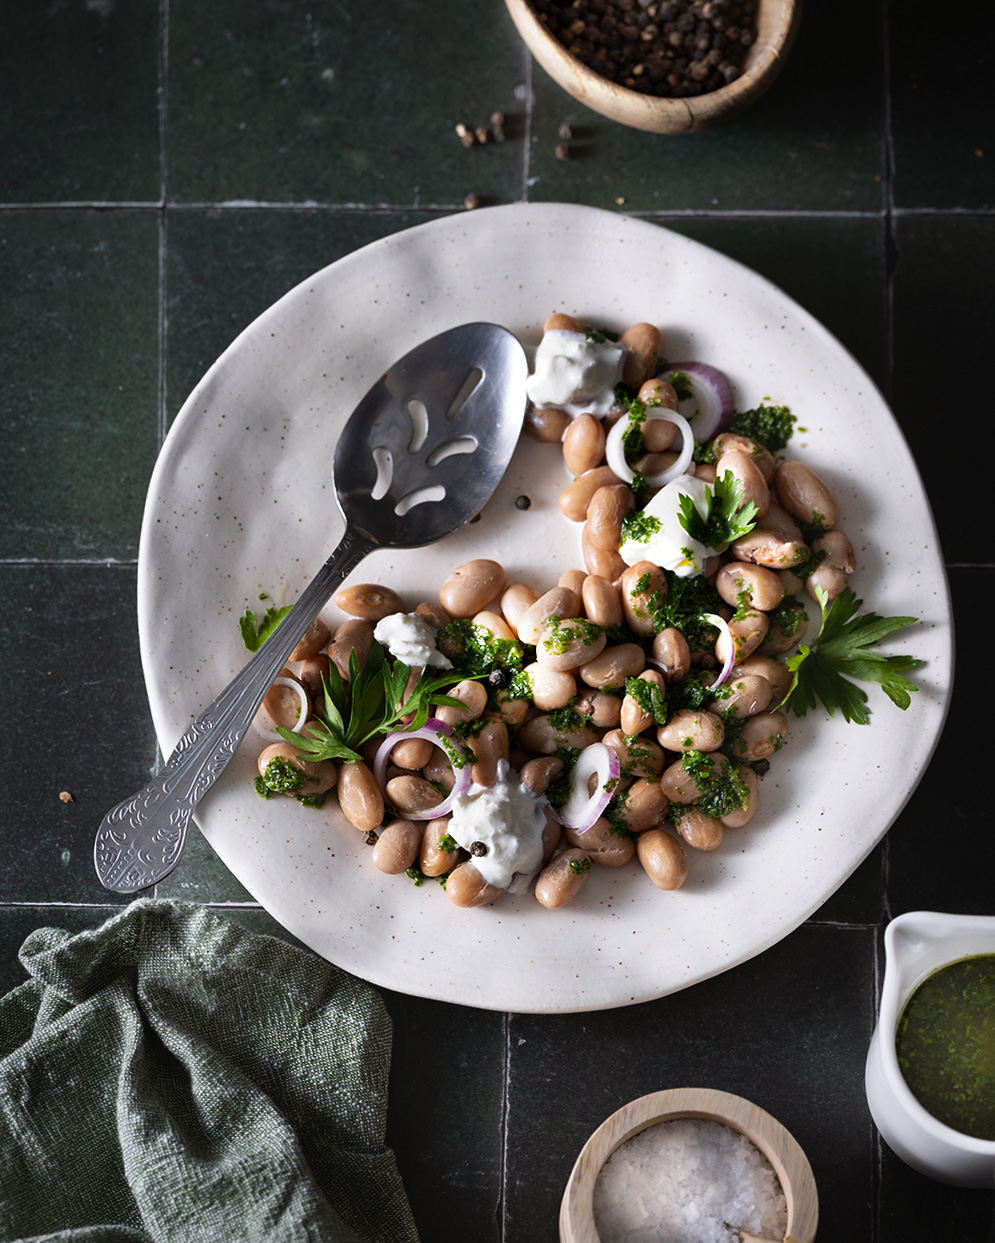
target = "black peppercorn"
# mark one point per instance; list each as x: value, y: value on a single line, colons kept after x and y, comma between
x: 658, y: 49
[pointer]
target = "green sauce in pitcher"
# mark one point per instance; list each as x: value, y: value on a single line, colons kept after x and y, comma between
x: 946, y: 1045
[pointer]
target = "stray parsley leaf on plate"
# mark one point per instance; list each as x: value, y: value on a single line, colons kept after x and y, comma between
x: 724, y: 521
x: 842, y: 648
x: 255, y: 634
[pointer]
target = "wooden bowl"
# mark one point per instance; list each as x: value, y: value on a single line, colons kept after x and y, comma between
x: 782, y: 1151
x: 777, y: 21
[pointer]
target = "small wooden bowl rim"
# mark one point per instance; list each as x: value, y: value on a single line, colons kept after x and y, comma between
x: 777, y: 20
x: 775, y: 1142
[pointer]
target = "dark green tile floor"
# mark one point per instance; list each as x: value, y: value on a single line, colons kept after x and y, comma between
x: 168, y: 170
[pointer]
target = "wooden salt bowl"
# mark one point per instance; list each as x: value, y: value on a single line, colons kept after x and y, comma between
x: 777, y: 22
x: 767, y: 1134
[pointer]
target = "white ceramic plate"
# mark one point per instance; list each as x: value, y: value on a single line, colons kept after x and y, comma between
x: 241, y: 502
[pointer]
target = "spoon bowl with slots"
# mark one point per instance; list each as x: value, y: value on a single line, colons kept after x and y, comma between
x: 418, y: 458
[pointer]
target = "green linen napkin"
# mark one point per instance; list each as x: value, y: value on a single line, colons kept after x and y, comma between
x: 171, y: 1077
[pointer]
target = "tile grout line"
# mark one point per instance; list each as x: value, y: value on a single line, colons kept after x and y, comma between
x: 878, y: 1156
x: 891, y: 250
x: 891, y: 211
x: 104, y: 563
x: 163, y: 232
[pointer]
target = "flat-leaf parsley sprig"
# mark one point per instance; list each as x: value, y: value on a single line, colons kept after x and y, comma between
x: 369, y: 705
x: 724, y: 520
x: 842, y: 648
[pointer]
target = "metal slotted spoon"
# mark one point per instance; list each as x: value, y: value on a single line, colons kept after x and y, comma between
x: 419, y: 457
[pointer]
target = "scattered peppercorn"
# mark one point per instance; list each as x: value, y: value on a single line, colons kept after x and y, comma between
x: 471, y: 201
x: 670, y: 48
x: 480, y: 135
x: 566, y: 131
x: 523, y: 502
x: 478, y: 849
x: 562, y: 151
x: 370, y: 838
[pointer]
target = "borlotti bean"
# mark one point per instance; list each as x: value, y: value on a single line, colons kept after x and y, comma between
x: 620, y: 711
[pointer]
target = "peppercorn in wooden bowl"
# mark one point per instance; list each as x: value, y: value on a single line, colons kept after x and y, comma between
x: 666, y: 66
x: 690, y: 1163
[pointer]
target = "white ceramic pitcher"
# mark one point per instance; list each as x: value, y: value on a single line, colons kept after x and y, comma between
x: 916, y: 945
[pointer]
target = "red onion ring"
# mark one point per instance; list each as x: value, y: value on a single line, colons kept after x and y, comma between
x: 722, y: 626
x: 712, y: 393
x: 615, y: 450
x: 582, y: 809
x: 433, y: 730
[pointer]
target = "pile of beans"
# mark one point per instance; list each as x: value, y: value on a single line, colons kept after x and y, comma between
x: 589, y: 632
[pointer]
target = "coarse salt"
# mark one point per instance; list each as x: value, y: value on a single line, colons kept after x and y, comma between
x: 690, y: 1180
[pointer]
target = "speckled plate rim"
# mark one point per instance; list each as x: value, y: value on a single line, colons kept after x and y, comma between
x: 241, y: 503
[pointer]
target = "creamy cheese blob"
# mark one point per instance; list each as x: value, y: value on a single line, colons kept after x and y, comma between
x: 670, y: 546
x: 508, y: 820
x: 409, y: 638
x: 574, y: 373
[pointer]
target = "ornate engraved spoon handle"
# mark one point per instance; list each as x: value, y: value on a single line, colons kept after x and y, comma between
x: 141, y: 839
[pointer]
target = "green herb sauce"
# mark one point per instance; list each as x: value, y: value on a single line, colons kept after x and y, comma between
x: 682, y: 606
x: 649, y: 698
x: 770, y: 426
x: 281, y: 777
x: 639, y: 527
x: 723, y: 790
x: 476, y: 653
x: 946, y: 1045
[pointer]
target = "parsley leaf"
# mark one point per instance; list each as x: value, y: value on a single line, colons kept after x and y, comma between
x: 369, y: 704
x: 254, y: 634
x: 841, y: 647
x: 724, y: 520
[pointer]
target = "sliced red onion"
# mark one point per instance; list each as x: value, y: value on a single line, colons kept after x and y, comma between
x: 435, y: 731
x: 723, y: 626
x: 615, y: 448
x: 270, y: 734
x: 710, y: 406
x: 582, y: 808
